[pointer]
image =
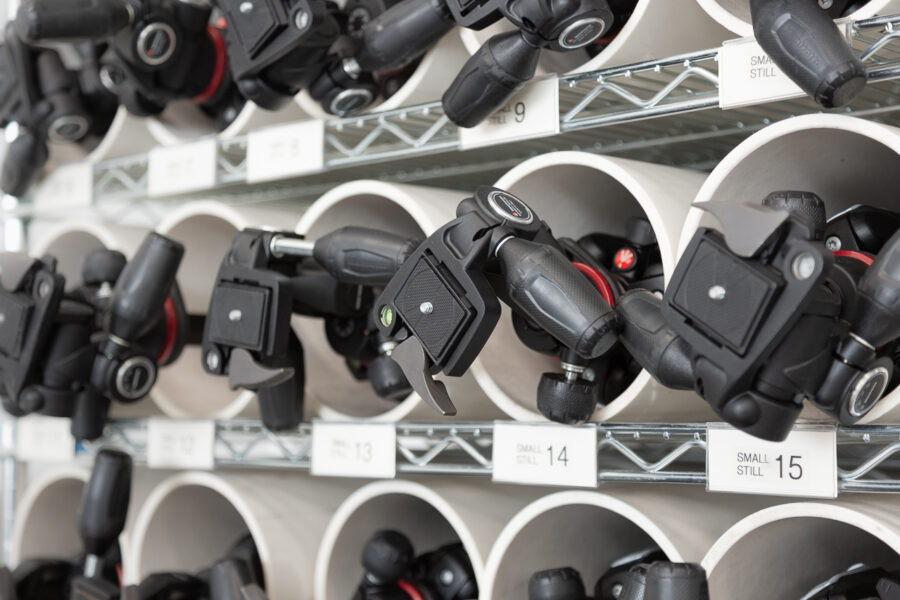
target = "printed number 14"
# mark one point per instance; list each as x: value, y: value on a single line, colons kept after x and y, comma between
x: 562, y: 457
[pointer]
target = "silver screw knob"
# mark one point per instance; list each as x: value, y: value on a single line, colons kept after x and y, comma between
x: 246, y: 7
x: 235, y: 315
x: 426, y: 308
x: 717, y: 293
x: 833, y: 243
x: 212, y: 360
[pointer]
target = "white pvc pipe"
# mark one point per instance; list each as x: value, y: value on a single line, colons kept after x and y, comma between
x: 206, y: 229
x: 184, y: 122
x: 427, y: 83
x: 408, y: 210
x: 845, y: 160
x: 735, y: 14
x: 46, y: 521
x: 191, y: 519
x: 578, y: 193
x: 781, y: 552
x: 445, y: 511
x: 69, y: 242
x: 656, y: 29
x: 588, y: 530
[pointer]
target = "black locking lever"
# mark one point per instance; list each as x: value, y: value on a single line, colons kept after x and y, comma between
x: 104, y: 507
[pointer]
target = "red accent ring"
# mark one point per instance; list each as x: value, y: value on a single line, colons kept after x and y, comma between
x: 218, y: 70
x: 860, y: 256
x: 599, y: 281
x: 171, y: 331
x: 410, y: 590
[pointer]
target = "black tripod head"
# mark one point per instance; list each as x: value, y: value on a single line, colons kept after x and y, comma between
x: 443, y: 304
x: 763, y: 315
x: 266, y: 278
x: 157, y: 50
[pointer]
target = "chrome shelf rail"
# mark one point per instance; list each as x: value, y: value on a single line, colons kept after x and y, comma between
x: 868, y: 456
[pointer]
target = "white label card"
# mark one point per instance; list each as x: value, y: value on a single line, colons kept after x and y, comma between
x: 180, y: 444
x: 534, y: 112
x: 180, y: 169
x: 748, y: 76
x: 545, y: 454
x: 69, y: 186
x: 354, y: 450
x: 805, y: 464
x: 285, y: 151
x: 44, y: 439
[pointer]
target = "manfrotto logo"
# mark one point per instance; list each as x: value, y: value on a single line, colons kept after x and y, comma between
x: 510, y: 208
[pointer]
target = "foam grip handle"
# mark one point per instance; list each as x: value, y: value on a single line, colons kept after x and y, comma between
x: 805, y: 43
x: 402, y: 33
x: 877, y: 315
x: 651, y: 342
x: 281, y: 406
x: 104, y: 505
x: 676, y: 581
x: 25, y: 158
x: 43, y: 20
x: 554, y: 295
x: 363, y: 256
x: 143, y: 287
x: 490, y: 78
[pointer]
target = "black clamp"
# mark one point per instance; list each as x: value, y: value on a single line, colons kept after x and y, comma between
x: 445, y: 301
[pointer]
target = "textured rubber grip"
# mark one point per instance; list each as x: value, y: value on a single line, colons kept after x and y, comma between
x: 143, y: 287
x: 877, y: 315
x: 806, y: 44
x: 490, y: 78
x: 104, y: 506
x: 44, y: 20
x: 547, y: 289
x: 652, y: 342
x: 806, y: 205
x: 402, y: 33
x: 363, y: 256
x: 564, y: 583
x: 676, y: 581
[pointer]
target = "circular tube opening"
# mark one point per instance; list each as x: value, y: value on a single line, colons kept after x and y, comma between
x: 578, y: 194
x: 69, y: 245
x: 183, y: 388
x: 417, y: 512
x: 783, y: 552
x: 46, y: 524
x: 191, y: 529
x: 587, y: 537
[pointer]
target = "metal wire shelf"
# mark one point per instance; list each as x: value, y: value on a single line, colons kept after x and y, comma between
x: 868, y: 456
x: 664, y: 111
